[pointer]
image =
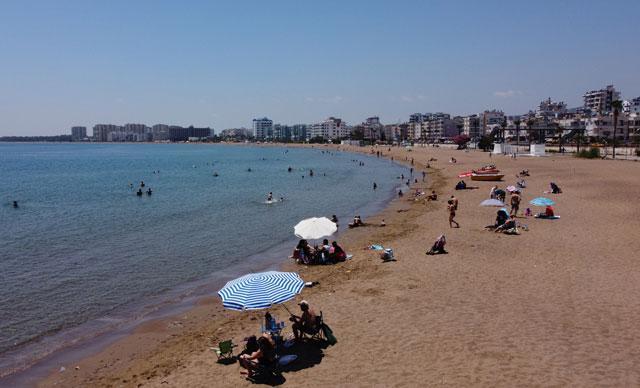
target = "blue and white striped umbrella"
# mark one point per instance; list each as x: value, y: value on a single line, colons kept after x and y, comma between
x: 260, y: 290
x: 542, y: 201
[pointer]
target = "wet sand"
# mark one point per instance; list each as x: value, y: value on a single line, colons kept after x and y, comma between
x: 556, y: 305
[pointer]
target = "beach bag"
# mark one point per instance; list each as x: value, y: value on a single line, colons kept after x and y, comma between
x: 328, y: 334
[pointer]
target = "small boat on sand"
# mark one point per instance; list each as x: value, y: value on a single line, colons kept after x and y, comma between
x: 487, y: 177
x: 490, y: 169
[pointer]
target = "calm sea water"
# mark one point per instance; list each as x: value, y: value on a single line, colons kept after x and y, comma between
x: 82, y: 246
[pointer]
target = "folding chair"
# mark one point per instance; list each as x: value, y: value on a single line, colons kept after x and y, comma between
x: 224, y: 350
x: 318, y: 334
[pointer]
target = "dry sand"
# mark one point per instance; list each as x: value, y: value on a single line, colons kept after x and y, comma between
x: 557, y: 305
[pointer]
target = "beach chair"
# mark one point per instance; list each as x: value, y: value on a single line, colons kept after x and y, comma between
x: 224, y: 350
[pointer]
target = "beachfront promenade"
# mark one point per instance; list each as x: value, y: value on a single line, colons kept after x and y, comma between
x: 556, y: 305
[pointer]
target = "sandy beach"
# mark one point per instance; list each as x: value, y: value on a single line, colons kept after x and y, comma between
x: 556, y: 305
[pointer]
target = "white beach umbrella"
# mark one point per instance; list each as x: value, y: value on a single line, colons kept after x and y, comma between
x: 314, y: 228
x: 491, y: 202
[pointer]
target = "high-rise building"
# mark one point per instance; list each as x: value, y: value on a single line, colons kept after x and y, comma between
x: 263, y: 128
x: 299, y: 132
x: 78, y: 133
x: 472, y: 127
x: 102, y: 132
x: 416, y: 118
x: 330, y: 129
x: 160, y: 132
x: 599, y: 101
x: 634, y: 107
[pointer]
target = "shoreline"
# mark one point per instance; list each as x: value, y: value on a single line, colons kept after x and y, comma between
x: 556, y: 305
x: 167, y: 306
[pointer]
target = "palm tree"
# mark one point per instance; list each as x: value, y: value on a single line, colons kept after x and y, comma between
x: 560, y: 130
x: 530, y: 123
x: 517, y: 124
x: 617, y: 107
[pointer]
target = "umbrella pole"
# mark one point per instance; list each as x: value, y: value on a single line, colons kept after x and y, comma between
x: 285, y: 307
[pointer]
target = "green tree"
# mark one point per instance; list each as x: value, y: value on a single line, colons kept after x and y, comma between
x: 517, y: 124
x: 617, y: 107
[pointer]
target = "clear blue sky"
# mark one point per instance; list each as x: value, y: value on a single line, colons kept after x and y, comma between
x: 220, y: 64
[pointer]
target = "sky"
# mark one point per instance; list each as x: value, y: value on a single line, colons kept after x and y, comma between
x: 222, y: 63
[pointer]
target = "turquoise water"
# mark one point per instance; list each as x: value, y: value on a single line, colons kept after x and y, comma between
x: 82, y: 246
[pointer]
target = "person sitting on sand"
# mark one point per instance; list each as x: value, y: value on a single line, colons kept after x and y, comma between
x: 524, y: 173
x: 265, y: 356
x: 306, y: 323
x: 461, y: 185
x: 500, y: 194
x: 303, y: 252
x: 509, y: 227
x: 433, y: 196
x: 357, y: 221
x: 548, y: 213
x: 438, y: 246
x: 521, y: 184
x: 501, y: 218
x: 336, y: 253
x: 554, y: 188
x: 322, y: 253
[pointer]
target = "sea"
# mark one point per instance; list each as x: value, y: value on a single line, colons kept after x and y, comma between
x: 83, y: 254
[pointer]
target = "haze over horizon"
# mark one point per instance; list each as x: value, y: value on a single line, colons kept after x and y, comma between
x: 72, y: 63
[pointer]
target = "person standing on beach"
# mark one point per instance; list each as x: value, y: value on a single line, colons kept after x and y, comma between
x: 424, y: 174
x: 455, y: 202
x: 515, y: 204
x: 375, y: 185
x: 451, y: 207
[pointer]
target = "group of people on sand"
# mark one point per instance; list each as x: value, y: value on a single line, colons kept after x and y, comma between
x: 326, y: 253
x: 357, y: 222
x: 260, y: 352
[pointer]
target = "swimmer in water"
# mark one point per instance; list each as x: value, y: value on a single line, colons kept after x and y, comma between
x: 310, y: 172
x: 139, y: 192
x: 375, y: 185
x: 15, y: 204
x: 149, y: 191
x: 141, y: 183
x: 289, y: 169
x: 248, y: 169
x: 270, y: 197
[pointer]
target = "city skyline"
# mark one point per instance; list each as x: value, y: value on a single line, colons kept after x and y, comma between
x: 220, y: 66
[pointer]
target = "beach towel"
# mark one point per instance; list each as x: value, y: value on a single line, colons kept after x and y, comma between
x: 547, y: 218
x: 376, y: 247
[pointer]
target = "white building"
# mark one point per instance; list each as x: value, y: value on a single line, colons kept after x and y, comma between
x: 634, y: 106
x: 471, y: 126
x: 599, y: 101
x: 330, y: 129
x: 602, y: 126
x: 263, y: 128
